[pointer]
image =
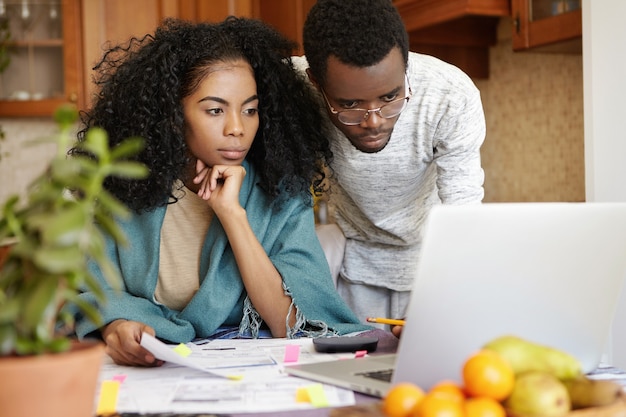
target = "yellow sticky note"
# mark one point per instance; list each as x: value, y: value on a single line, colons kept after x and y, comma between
x: 183, y: 350
x: 107, y: 403
x: 302, y: 395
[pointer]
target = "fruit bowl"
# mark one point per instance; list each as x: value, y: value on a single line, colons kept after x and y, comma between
x: 617, y: 409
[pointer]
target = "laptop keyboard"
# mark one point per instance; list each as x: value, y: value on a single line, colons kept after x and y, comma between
x: 382, y: 375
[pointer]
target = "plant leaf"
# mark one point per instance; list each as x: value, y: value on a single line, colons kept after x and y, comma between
x: 59, y: 260
x: 129, y: 169
x: 63, y: 227
x: 129, y: 147
x: 65, y: 115
x: 97, y: 142
x: 113, y: 205
x: 38, y: 302
x: 8, y: 337
x: 89, y: 310
x: 112, y: 228
x: 10, y: 311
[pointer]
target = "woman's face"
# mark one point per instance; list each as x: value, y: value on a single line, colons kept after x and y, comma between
x: 221, y: 116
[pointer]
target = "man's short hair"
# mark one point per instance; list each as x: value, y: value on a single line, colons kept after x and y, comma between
x: 357, y: 32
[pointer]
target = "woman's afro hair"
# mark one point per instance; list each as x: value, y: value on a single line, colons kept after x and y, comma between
x: 141, y: 86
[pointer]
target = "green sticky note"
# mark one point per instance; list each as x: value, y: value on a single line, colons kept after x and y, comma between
x: 317, y: 396
x: 182, y: 350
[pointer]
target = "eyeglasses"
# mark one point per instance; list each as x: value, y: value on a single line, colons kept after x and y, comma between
x: 352, y: 117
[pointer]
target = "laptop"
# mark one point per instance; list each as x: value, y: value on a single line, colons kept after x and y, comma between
x: 548, y: 272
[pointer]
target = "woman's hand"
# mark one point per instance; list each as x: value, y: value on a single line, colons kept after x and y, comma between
x: 123, y: 338
x: 219, y: 185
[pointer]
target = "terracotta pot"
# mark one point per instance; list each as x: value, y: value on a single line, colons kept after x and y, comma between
x: 52, y: 385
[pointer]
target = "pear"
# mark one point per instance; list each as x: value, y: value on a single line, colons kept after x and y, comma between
x: 538, y: 394
x: 524, y: 356
x: 585, y: 392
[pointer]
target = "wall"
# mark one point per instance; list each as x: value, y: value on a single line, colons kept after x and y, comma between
x: 21, y: 159
x: 605, y: 124
x: 533, y: 150
x: 534, y: 111
x: 605, y: 89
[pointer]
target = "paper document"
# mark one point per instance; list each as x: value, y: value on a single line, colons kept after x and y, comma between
x: 164, y: 352
x: 222, y: 377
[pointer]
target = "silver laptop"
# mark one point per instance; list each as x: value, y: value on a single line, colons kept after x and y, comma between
x: 548, y: 272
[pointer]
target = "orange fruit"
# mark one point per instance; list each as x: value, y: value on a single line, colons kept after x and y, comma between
x: 449, y: 387
x: 439, y: 404
x: 483, y: 407
x: 487, y: 374
x: 402, y: 400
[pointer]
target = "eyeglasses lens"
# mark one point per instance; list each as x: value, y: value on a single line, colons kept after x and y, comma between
x: 389, y: 110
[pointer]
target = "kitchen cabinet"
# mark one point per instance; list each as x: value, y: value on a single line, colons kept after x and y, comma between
x: 46, y: 57
x: 114, y: 21
x: 457, y: 31
x: 287, y: 16
x: 547, y: 25
x: 111, y: 22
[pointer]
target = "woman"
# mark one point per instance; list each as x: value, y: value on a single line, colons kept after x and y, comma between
x: 222, y: 236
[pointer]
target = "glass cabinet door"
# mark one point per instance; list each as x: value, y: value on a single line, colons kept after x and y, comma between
x: 547, y: 25
x: 42, y: 56
x: 541, y: 9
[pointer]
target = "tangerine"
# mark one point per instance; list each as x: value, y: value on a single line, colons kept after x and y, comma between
x: 487, y: 374
x: 483, y: 407
x: 439, y: 404
x: 402, y: 400
x: 449, y: 387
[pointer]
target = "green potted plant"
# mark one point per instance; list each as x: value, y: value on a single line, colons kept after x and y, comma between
x: 49, y: 241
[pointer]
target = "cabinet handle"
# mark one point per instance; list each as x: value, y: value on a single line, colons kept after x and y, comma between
x: 516, y: 23
x: 73, y: 98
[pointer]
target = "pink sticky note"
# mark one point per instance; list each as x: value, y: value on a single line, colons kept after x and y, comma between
x: 120, y: 378
x: 292, y: 352
x: 360, y: 353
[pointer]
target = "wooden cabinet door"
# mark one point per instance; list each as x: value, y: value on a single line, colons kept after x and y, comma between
x: 46, y: 63
x: 110, y: 22
x: 214, y: 10
x: 287, y: 16
x: 116, y: 21
x: 554, y: 25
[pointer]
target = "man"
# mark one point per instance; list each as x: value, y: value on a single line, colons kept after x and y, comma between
x: 406, y: 134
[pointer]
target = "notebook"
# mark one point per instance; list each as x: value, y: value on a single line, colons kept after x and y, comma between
x: 548, y: 272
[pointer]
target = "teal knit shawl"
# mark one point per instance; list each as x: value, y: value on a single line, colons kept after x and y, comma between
x: 287, y: 233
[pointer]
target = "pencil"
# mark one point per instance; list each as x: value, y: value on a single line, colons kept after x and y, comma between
x: 393, y: 322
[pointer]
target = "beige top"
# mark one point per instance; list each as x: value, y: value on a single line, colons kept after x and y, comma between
x: 182, y: 235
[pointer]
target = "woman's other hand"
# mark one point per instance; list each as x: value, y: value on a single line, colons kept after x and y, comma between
x: 123, y: 338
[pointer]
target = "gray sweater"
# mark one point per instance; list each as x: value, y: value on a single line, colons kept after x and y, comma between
x: 381, y: 200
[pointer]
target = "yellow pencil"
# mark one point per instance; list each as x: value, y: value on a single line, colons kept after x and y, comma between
x: 393, y: 322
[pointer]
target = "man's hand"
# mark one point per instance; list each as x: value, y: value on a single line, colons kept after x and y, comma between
x: 123, y: 338
x: 397, y: 331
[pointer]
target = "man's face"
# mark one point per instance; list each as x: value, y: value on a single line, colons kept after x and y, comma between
x: 348, y: 87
